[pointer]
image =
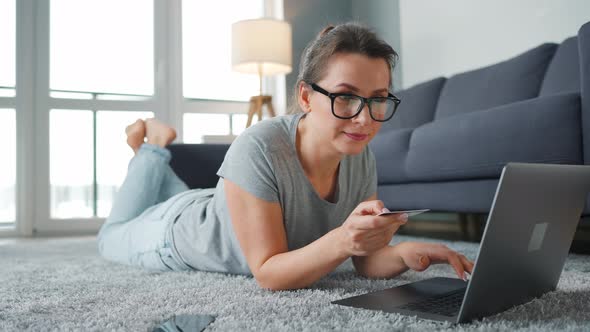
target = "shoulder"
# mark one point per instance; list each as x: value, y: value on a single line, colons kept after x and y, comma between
x: 265, y: 136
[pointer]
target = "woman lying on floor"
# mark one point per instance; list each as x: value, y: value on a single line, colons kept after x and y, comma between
x: 297, y: 194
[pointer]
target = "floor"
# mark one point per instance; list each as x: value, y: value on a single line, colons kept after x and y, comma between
x: 63, y: 284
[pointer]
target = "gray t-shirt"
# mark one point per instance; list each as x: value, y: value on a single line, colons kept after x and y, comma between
x: 263, y: 161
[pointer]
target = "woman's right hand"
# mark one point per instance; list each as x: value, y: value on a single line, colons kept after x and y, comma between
x: 364, y: 232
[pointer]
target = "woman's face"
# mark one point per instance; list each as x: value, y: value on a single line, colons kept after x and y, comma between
x: 346, y: 73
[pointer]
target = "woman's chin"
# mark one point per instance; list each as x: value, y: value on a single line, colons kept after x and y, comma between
x: 352, y: 148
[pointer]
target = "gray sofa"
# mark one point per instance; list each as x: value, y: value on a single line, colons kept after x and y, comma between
x: 446, y: 146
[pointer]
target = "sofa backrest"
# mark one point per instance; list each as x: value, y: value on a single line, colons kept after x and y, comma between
x: 417, y: 106
x: 563, y: 73
x: 515, y: 79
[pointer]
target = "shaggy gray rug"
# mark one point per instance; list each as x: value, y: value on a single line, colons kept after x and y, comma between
x: 62, y: 284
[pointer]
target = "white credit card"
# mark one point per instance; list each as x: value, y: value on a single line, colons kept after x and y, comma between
x: 409, y: 212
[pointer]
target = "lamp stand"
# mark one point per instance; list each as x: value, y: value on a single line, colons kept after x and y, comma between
x: 257, y: 102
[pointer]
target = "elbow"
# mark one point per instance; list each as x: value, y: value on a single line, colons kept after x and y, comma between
x: 372, y: 276
x: 271, y: 285
x: 365, y: 274
x: 274, y: 283
x: 263, y: 282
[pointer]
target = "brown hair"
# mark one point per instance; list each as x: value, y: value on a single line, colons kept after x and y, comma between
x: 344, y: 38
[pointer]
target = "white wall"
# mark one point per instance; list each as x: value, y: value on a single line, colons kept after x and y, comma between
x: 441, y: 38
x: 383, y: 16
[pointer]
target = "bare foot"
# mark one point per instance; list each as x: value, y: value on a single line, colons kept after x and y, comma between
x: 159, y: 133
x: 135, y: 134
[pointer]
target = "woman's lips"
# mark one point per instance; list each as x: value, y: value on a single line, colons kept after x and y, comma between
x: 357, y: 137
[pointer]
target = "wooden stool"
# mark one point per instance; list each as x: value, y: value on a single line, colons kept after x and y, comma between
x: 256, y: 104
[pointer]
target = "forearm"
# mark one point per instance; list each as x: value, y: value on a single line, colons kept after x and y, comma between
x: 384, y: 263
x: 302, y: 267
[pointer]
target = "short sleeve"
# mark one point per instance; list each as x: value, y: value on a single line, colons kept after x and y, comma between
x: 249, y: 165
x: 371, y: 169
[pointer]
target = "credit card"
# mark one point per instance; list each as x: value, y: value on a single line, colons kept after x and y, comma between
x: 409, y: 212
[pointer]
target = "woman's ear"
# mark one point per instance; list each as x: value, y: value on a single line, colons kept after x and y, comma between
x: 303, y: 97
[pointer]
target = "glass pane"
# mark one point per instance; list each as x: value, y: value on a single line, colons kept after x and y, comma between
x: 71, y: 162
x: 207, y: 74
x: 239, y: 121
x: 7, y: 42
x: 102, y: 46
x: 4, y: 92
x: 195, y: 125
x: 112, y: 154
x: 8, y: 166
x: 70, y: 95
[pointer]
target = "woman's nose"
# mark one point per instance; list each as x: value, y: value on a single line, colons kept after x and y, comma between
x: 364, y: 117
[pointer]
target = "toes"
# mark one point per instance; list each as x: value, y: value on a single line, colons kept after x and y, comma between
x: 137, y: 127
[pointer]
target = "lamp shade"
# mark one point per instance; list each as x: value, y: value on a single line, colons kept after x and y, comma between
x: 261, y: 46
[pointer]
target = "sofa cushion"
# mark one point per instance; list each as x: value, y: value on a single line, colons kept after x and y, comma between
x: 479, y: 144
x: 516, y: 79
x: 390, y: 149
x: 563, y: 73
x: 417, y: 106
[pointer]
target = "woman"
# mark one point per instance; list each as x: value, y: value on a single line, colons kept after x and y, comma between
x: 297, y: 193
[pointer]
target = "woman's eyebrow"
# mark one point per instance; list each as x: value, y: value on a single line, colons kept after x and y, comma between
x: 355, y: 89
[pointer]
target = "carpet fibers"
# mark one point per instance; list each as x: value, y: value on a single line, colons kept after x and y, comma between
x: 63, y: 284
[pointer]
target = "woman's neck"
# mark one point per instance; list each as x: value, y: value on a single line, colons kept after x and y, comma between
x: 316, y: 157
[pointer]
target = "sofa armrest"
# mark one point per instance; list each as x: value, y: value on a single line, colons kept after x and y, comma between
x: 584, y: 49
x: 197, y: 164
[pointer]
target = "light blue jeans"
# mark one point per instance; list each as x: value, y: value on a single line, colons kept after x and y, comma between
x: 149, y: 200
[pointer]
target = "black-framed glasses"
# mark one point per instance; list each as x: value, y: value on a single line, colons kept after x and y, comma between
x: 347, y: 105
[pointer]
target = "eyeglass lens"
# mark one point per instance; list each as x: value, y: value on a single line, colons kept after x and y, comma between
x: 349, y: 106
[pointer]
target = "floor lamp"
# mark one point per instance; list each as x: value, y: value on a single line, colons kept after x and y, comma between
x: 263, y: 47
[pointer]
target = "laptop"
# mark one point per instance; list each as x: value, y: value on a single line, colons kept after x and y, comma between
x: 529, y: 231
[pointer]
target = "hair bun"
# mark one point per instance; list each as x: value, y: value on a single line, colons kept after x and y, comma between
x: 326, y: 30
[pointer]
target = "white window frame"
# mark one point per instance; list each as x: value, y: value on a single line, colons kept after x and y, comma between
x: 33, y: 103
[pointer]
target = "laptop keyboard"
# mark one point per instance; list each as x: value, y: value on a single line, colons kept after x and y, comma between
x: 447, y: 304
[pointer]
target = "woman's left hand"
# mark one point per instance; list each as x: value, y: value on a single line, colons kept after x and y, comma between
x: 419, y: 256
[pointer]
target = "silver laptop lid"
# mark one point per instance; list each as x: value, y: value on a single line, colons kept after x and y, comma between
x: 531, y: 224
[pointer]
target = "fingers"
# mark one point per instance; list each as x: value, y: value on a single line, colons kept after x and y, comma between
x: 457, y: 265
x: 460, y: 264
x: 378, y: 223
x: 386, y: 231
x: 369, y: 208
x: 383, y: 237
x: 467, y: 264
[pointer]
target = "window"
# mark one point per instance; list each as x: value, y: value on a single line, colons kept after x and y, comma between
x: 96, y: 63
x: 76, y: 190
x: 102, y: 46
x: 7, y: 113
x: 112, y: 154
x: 8, y: 47
x: 214, y: 96
x: 71, y: 163
x: 207, y: 72
x: 85, y: 70
x: 8, y: 166
x: 198, y: 125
